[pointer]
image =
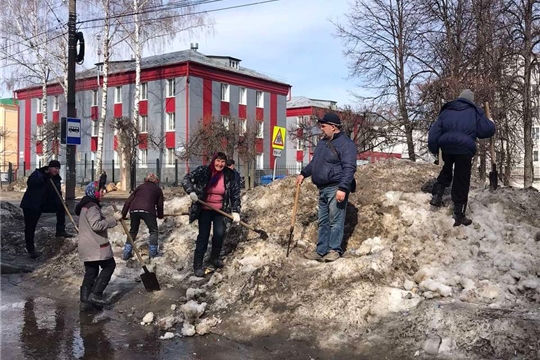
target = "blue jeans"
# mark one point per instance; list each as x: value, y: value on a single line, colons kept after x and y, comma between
x: 331, y: 220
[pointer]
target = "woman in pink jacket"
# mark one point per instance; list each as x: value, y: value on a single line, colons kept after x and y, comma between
x: 94, y: 248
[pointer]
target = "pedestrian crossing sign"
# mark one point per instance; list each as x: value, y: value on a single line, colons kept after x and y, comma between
x: 278, y: 138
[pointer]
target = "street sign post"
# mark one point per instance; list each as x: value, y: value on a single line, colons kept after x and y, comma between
x: 276, y: 152
x: 278, y: 144
x: 70, y: 131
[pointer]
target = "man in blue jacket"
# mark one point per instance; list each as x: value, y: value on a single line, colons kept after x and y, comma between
x: 459, y: 123
x: 40, y: 197
x: 332, y: 171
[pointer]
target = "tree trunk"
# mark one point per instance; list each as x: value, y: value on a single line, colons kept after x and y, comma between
x: 528, y: 174
x: 104, y: 89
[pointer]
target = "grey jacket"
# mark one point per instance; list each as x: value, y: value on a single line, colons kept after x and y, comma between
x: 93, y: 239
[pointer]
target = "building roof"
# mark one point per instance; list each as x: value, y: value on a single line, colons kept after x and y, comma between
x: 302, y: 101
x: 8, y: 101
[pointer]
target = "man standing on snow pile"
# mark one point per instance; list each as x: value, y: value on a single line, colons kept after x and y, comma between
x: 40, y: 197
x: 145, y: 203
x: 459, y: 123
x: 230, y: 165
x: 332, y: 171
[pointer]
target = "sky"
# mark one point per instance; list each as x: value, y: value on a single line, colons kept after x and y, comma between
x: 290, y: 40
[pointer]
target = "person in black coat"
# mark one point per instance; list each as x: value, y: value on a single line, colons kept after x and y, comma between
x: 459, y: 123
x: 230, y: 165
x: 103, y: 181
x: 40, y: 197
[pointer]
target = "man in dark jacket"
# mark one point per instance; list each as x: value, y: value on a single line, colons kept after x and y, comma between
x: 40, y: 197
x: 103, y: 181
x: 332, y: 171
x: 230, y: 165
x: 459, y: 123
x: 145, y: 203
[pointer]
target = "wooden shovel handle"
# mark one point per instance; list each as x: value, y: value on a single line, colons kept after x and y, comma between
x: 492, y: 141
x: 295, y: 206
x: 226, y: 215
x: 63, y: 203
x: 130, y: 239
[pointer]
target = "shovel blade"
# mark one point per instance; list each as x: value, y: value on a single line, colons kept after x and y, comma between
x: 150, y: 281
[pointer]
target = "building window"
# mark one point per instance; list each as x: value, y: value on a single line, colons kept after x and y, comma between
x: 171, y: 121
x: 243, y: 126
x: 225, y: 92
x: 299, y: 143
x: 39, y: 106
x: 260, y: 129
x: 243, y: 96
x: 143, y: 157
x: 143, y: 91
x: 298, y: 167
x: 225, y: 121
x: 115, y: 158
x: 94, y: 97
x: 234, y: 64
x: 95, y: 127
x: 536, y: 133
x: 143, y: 123
x: 118, y: 95
x: 56, y: 104
x: 39, y: 133
x: 535, y: 155
x: 171, y: 88
x: 260, y: 99
x: 169, y: 157
x: 260, y: 161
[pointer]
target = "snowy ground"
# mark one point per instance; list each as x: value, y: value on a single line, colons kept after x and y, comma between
x: 408, y: 279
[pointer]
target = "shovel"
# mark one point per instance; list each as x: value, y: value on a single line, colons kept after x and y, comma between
x: 493, y: 174
x: 262, y: 233
x: 149, y: 279
x: 63, y: 203
x: 293, y: 219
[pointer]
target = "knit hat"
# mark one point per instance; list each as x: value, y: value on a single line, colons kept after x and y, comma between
x: 151, y: 177
x: 54, y: 164
x: 467, y: 94
x: 92, y: 190
x: 331, y: 118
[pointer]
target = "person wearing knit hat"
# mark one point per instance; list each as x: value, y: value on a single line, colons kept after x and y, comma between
x: 459, y: 123
x: 41, y: 197
x: 217, y: 186
x: 145, y: 203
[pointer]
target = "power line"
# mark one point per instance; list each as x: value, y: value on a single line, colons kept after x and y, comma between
x: 30, y: 47
x: 54, y: 13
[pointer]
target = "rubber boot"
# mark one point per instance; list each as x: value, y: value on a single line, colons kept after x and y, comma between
x: 197, y: 265
x: 96, y: 297
x: 438, y: 191
x: 459, y: 215
x: 128, y: 252
x: 152, y: 251
x: 85, y: 306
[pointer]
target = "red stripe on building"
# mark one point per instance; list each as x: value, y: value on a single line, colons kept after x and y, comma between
x: 115, y: 142
x: 225, y: 108
x: 93, y: 143
x: 259, y: 145
x: 242, y: 111
x: 39, y: 147
x: 117, y: 111
x: 39, y: 119
x: 170, y: 105
x: 299, y: 155
x: 170, y: 139
x: 94, y: 113
x: 27, y: 132
x: 300, y: 111
x: 207, y: 98
x: 143, y: 141
x: 273, y: 122
x: 56, y: 116
x: 143, y: 107
x: 259, y: 114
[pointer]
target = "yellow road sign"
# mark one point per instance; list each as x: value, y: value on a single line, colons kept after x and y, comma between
x: 278, y: 138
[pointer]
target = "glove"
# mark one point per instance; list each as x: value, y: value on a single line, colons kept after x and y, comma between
x: 236, y: 218
x: 193, y: 196
x: 118, y: 216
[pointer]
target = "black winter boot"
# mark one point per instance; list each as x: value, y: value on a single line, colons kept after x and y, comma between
x: 438, y: 191
x: 198, y: 265
x: 459, y: 215
x: 96, y: 297
x: 85, y: 306
x: 217, y: 262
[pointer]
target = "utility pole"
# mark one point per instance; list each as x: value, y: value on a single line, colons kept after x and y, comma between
x: 71, y: 110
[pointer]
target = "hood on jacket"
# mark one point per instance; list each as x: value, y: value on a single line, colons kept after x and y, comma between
x: 458, y: 105
x: 84, y: 201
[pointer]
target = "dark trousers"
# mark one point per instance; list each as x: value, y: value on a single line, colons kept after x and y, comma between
x: 457, y: 167
x: 206, y: 219
x: 151, y: 222
x: 91, y: 272
x: 31, y: 218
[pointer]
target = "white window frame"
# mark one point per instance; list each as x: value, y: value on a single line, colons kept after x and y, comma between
x: 225, y: 92
x: 226, y: 121
x: 39, y: 132
x: 95, y: 97
x: 171, y: 88
x: 56, y: 103
x: 260, y: 130
x: 143, y: 123
x: 243, y: 126
x: 39, y: 108
x: 260, y: 161
x: 536, y: 133
x: 259, y: 95
x: 535, y: 158
x: 118, y: 95
x: 95, y: 127
x: 115, y: 158
x: 234, y: 64
x: 171, y: 122
x: 170, y: 155
x: 143, y: 91
x: 242, y: 96
x: 143, y: 158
